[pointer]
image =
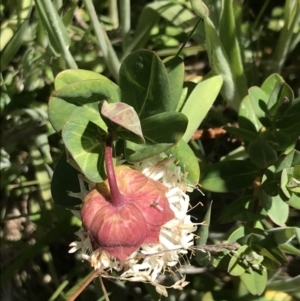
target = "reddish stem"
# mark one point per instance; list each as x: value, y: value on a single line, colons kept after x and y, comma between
x: 116, y: 197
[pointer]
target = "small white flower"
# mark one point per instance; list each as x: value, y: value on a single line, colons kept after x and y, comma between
x: 175, y: 238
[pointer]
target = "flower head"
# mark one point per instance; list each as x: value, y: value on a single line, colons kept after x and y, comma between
x: 155, y: 189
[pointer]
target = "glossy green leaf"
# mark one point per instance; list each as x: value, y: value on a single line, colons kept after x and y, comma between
x: 255, y: 281
x: 247, y: 116
x: 280, y: 99
x: 270, y: 183
x: 71, y: 76
x: 228, y: 176
x: 290, y: 249
x: 122, y: 119
x: 145, y: 84
x: 242, y: 133
x: 167, y: 127
x: 261, y: 153
x: 236, y: 234
x: 290, y: 116
x: 199, y: 102
x: 278, y: 139
x: 256, y: 236
x: 65, y: 101
x: 138, y: 152
x: 277, y: 209
x: 270, y: 83
x: 259, y: 100
x: 283, y: 183
x: 273, y: 258
x: 64, y: 179
x: 270, y: 264
x: 294, y: 201
x: 83, y: 140
x: 186, y: 160
x: 175, y: 69
x: 283, y: 235
x: 236, y: 267
x: 221, y: 261
x: 272, y: 248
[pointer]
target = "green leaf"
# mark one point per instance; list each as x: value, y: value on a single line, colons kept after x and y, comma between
x: 199, y: 102
x: 277, y: 209
x: 227, y: 176
x: 145, y: 84
x: 59, y: 290
x: 146, y: 22
x: 56, y: 30
x: 83, y: 140
x: 221, y: 261
x: 283, y: 183
x: 279, y: 139
x: 247, y: 116
x: 240, y: 132
x: 237, y: 234
x: 270, y: 83
x: 273, y: 251
x: 290, y: 117
x: 290, y: 160
x: 230, y: 41
x: 137, y: 152
x: 64, y: 179
x: 187, y: 161
x: 256, y: 236
x: 71, y: 76
x: 283, y: 235
x: 294, y: 201
x: 285, y: 285
x: 122, y: 119
x: 220, y: 64
x: 280, y: 99
x: 65, y: 101
x: 236, y: 267
x: 203, y: 232
x: 167, y: 127
x: 259, y: 101
x: 15, y: 42
x: 255, y: 281
x: 175, y: 69
x: 270, y: 184
x: 175, y: 13
x: 238, y: 210
x: 290, y: 249
x: 261, y: 153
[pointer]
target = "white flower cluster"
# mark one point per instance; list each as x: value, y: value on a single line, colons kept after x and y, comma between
x: 175, y: 238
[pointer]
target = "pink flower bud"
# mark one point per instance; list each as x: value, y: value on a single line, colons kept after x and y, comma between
x: 120, y: 222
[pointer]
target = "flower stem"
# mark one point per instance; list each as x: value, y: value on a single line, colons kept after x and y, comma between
x: 116, y: 197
